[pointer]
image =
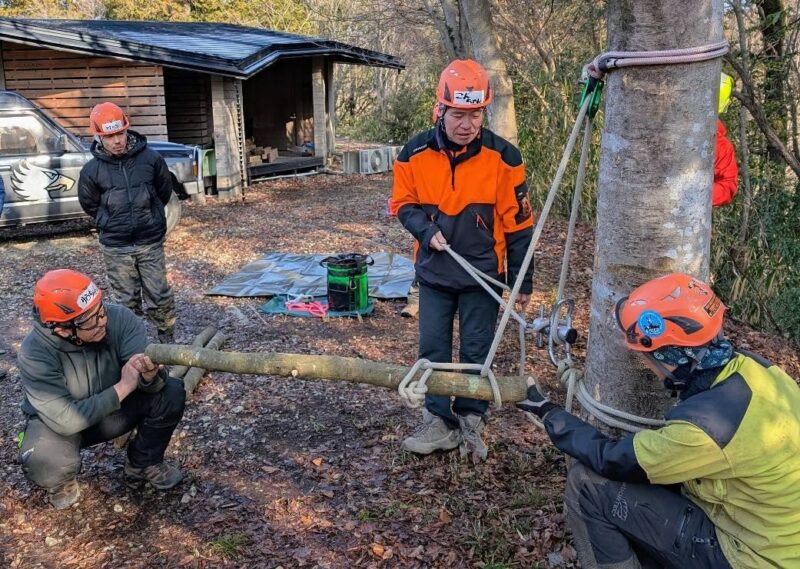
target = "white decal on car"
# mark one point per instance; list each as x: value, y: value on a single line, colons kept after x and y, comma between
x: 34, y: 183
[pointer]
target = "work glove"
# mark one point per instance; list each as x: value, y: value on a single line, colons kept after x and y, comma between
x: 536, y: 403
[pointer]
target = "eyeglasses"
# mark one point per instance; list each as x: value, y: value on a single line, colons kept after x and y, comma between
x: 92, y: 321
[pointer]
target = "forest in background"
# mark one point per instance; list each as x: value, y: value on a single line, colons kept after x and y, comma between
x: 543, y: 46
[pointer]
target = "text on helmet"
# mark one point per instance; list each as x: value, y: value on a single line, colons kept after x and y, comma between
x: 112, y: 125
x: 469, y: 97
x: 86, y: 297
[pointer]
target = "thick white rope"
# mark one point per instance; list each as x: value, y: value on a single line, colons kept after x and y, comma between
x: 413, y: 393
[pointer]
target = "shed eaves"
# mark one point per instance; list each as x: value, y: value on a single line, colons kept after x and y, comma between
x: 223, y: 49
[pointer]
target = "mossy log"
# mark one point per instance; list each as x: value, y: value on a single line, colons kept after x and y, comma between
x: 310, y: 367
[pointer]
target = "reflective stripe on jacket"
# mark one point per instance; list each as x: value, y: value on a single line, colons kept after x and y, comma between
x: 477, y: 197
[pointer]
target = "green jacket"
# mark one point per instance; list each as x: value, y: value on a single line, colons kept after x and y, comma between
x: 69, y: 387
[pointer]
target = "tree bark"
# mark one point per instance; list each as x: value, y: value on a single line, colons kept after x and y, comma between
x: 199, y: 341
x: 354, y: 370
x: 655, y: 178
x: 195, y: 374
x: 486, y: 45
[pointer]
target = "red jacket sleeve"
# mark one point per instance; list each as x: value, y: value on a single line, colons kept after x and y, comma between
x: 726, y: 172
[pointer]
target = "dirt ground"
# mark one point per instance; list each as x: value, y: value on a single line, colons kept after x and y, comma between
x: 286, y: 473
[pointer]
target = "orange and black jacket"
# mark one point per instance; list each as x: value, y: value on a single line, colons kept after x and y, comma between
x: 476, y: 196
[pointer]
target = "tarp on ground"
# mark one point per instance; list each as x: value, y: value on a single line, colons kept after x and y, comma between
x: 292, y: 274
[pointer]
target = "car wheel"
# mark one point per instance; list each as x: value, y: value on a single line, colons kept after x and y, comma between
x: 173, y: 211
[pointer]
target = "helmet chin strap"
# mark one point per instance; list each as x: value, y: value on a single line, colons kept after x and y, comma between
x: 73, y: 333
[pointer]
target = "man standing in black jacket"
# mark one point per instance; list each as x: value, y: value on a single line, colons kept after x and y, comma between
x: 124, y: 188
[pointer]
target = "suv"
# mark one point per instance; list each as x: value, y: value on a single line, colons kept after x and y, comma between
x: 40, y: 163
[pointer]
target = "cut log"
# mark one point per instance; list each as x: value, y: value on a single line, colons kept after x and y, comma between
x: 354, y: 370
x: 199, y: 341
x: 195, y: 374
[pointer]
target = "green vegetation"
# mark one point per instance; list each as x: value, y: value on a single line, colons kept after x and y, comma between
x: 229, y: 545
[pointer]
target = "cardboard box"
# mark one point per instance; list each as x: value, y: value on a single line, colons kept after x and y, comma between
x: 254, y: 160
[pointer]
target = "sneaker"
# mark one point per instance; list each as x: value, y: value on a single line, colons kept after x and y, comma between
x: 166, y: 336
x: 471, y: 442
x: 434, y: 434
x: 63, y: 496
x: 161, y: 476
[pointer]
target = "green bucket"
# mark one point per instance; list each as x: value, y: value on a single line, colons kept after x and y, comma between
x: 348, y: 286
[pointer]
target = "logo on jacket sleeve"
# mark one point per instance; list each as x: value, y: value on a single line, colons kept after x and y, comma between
x: 524, y: 209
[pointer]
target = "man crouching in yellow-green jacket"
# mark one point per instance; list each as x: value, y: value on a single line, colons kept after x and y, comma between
x: 718, y: 486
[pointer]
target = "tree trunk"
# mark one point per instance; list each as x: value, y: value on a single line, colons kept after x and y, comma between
x: 354, y: 370
x: 486, y: 46
x: 656, y: 172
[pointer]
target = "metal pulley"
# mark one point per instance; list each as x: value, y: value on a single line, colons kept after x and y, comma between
x: 556, y: 330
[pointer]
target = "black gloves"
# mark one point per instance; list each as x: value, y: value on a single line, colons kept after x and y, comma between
x: 536, y: 403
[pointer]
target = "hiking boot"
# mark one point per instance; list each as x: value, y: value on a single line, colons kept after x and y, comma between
x: 63, y: 496
x: 161, y: 476
x: 166, y: 336
x: 411, y: 308
x: 434, y: 434
x: 471, y: 442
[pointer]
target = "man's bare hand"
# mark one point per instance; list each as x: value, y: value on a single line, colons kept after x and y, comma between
x: 128, y: 381
x: 522, y: 301
x: 144, y: 365
x: 438, y: 241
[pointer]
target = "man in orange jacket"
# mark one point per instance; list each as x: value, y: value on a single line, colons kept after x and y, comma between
x: 726, y: 172
x: 460, y: 185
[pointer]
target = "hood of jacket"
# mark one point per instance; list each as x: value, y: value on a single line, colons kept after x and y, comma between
x: 136, y: 143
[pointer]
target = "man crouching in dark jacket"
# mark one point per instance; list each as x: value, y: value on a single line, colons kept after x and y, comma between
x: 86, y: 381
x: 124, y: 188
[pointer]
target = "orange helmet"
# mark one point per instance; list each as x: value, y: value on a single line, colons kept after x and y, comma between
x: 673, y: 310
x: 107, y: 118
x: 62, y: 295
x: 464, y: 84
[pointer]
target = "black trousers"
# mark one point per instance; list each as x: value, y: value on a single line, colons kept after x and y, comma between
x: 477, y: 318
x: 615, y: 523
x: 50, y: 459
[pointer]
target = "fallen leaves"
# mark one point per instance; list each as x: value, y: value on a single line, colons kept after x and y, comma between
x: 311, y: 474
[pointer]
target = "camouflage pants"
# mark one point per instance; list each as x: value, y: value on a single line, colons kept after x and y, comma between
x: 140, y: 274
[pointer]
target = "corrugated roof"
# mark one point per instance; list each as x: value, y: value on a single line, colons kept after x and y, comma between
x: 222, y: 49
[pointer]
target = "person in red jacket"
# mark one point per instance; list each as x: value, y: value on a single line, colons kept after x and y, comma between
x: 726, y: 172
